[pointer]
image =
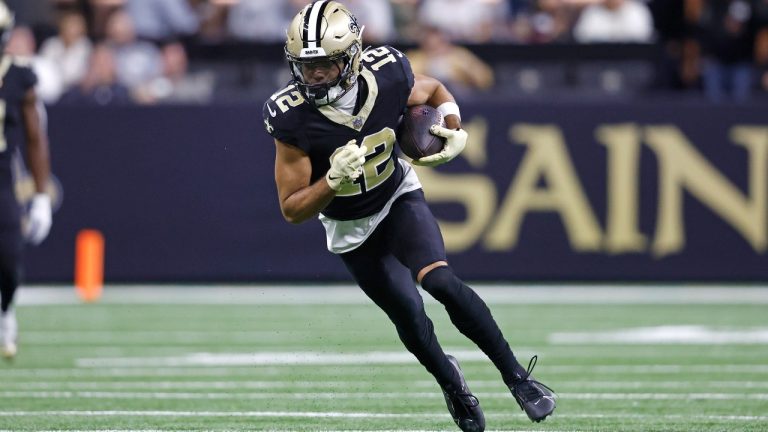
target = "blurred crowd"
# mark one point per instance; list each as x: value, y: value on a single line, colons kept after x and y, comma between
x: 135, y: 51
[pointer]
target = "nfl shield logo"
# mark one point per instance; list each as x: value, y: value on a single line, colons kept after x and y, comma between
x: 357, y: 122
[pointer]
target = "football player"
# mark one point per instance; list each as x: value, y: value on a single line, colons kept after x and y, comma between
x: 334, y: 131
x: 20, y: 113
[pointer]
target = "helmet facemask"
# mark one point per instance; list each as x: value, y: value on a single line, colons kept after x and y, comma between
x: 326, y: 92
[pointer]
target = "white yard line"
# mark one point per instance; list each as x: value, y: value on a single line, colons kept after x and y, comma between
x: 368, y: 415
x: 141, y: 372
x: 314, y: 358
x: 661, y: 369
x: 270, y: 358
x: 146, y: 337
x: 349, y: 294
x: 285, y: 414
x: 476, y: 385
x: 361, y: 395
x: 741, y: 385
x: 188, y: 385
x: 666, y: 335
x: 286, y: 430
x: 332, y: 370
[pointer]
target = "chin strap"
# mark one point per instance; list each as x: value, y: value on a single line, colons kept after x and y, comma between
x: 332, y: 94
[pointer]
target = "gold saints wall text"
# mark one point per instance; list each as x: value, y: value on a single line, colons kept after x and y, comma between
x: 494, y: 216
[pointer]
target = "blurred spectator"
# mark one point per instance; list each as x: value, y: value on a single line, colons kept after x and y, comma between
x: 259, y: 20
x: 761, y: 43
x: 377, y: 17
x: 212, y: 15
x: 670, y: 31
x: 49, y: 83
x: 162, y: 20
x: 407, y: 25
x: 722, y: 45
x: 177, y: 85
x: 518, y: 6
x: 97, y: 15
x: 614, y: 21
x: 82, y: 7
x: 100, y: 85
x: 465, y: 20
x: 38, y: 15
x: 69, y: 50
x: 459, y: 69
x: 546, y: 21
x: 137, y: 62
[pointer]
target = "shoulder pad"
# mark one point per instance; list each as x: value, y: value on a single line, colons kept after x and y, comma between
x: 378, y: 58
x: 281, y: 112
x: 280, y: 103
x: 390, y: 64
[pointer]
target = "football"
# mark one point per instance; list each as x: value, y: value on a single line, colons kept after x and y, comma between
x: 413, y: 132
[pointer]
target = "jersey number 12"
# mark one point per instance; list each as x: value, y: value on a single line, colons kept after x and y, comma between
x: 380, y: 146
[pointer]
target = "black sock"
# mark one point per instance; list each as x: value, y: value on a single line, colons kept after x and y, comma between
x: 472, y: 318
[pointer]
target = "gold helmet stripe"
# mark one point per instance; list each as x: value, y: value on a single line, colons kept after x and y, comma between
x: 312, y: 24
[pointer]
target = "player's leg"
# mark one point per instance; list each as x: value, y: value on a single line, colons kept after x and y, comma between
x: 474, y: 320
x: 389, y: 284
x: 417, y: 241
x: 10, y: 258
x: 470, y: 314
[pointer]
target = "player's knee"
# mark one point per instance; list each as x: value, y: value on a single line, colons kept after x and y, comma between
x: 441, y: 283
x: 423, y: 272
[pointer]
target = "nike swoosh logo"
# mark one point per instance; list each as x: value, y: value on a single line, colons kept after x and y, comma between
x: 333, y: 178
x: 271, y: 112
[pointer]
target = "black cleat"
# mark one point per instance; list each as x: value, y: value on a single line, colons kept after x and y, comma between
x: 536, y: 399
x: 463, y: 406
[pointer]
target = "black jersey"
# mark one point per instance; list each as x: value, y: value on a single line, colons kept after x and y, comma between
x: 385, y: 84
x: 15, y: 81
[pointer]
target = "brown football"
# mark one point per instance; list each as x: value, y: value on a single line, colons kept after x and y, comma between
x: 413, y: 132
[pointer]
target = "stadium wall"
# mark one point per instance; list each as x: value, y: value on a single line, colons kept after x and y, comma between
x: 544, y: 192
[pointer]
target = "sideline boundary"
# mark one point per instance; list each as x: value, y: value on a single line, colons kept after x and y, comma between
x: 349, y: 294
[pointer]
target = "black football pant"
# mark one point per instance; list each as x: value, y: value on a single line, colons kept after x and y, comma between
x: 10, y: 261
x: 10, y: 245
x: 385, y: 267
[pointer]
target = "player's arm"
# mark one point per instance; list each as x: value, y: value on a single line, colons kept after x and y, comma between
x: 428, y: 90
x: 38, y: 162
x: 300, y: 200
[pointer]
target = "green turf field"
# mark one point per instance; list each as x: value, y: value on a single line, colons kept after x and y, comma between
x: 282, y: 359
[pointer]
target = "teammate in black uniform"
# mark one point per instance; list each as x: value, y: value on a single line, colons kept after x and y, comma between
x: 334, y: 134
x: 20, y: 121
